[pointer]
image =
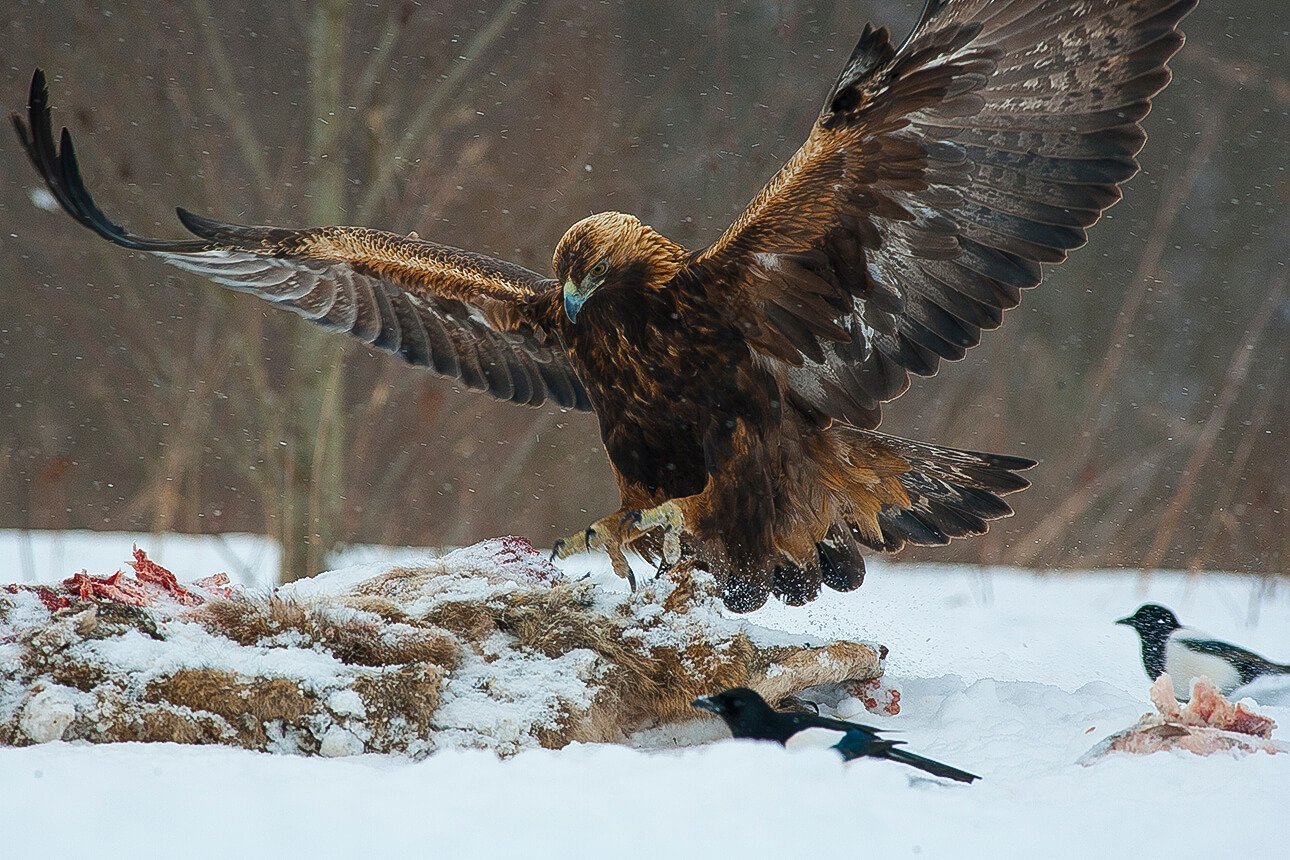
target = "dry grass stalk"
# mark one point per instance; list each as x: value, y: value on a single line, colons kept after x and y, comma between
x: 463, y: 653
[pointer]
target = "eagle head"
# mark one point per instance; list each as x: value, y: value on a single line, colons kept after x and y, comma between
x: 614, y: 252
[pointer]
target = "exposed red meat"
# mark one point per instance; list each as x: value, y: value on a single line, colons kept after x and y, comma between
x: 150, y: 582
x: 519, y: 557
x: 116, y: 587
x: 48, y: 596
x: 1209, y: 708
x: 1207, y: 724
x: 216, y: 584
x: 878, y: 698
x: 148, y: 571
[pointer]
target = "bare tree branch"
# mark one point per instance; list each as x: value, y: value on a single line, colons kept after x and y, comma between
x: 1168, y: 211
x: 425, y: 115
x: 378, y: 60
x: 226, y: 101
x: 1203, y: 447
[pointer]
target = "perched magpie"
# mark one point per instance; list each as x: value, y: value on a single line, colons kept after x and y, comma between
x: 1186, y: 654
x: 748, y: 716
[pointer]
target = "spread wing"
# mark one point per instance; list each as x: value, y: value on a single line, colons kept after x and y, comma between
x: 939, y: 179
x: 463, y: 315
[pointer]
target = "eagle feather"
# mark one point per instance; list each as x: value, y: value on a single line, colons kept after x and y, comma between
x: 742, y: 383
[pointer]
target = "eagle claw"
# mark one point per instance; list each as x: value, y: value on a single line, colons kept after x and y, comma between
x: 606, y: 534
x: 666, y: 517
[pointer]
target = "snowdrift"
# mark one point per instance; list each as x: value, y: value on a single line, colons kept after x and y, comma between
x: 489, y: 647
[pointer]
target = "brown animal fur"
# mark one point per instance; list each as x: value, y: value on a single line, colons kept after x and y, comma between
x: 654, y: 652
x: 468, y: 619
x: 159, y: 724
x: 403, y: 693
x: 353, y: 636
x: 246, y: 705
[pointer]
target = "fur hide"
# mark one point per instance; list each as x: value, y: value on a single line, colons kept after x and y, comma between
x: 488, y: 647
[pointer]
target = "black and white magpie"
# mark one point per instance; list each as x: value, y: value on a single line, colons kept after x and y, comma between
x: 1187, y: 654
x: 748, y: 716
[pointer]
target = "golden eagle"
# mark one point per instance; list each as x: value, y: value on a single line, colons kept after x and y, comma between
x: 738, y: 386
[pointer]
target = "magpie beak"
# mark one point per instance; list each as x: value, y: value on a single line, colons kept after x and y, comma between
x: 705, y: 703
x: 573, y: 301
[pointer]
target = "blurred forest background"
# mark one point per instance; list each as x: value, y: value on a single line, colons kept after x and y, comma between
x: 1148, y: 375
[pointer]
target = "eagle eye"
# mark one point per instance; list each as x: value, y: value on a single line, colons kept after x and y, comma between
x: 599, y: 270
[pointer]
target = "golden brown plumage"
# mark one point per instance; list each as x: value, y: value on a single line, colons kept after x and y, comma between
x: 738, y: 387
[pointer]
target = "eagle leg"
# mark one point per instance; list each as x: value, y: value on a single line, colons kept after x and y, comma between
x: 670, y: 519
x: 607, y: 533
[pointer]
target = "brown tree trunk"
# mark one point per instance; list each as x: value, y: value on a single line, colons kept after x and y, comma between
x: 313, y: 473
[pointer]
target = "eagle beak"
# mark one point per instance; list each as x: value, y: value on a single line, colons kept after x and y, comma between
x: 706, y: 703
x: 573, y: 301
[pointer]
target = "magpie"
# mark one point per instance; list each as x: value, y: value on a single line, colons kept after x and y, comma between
x: 748, y: 716
x: 1186, y: 654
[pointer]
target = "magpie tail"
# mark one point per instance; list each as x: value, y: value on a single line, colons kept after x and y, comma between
x: 1262, y: 666
x: 864, y: 744
x: 927, y: 765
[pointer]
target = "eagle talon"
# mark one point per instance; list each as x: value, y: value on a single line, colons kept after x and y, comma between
x: 671, y: 546
x: 571, y: 545
x: 669, y: 519
x: 608, y: 534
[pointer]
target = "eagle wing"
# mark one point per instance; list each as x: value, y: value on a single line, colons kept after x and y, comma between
x: 939, y: 179
x: 464, y: 315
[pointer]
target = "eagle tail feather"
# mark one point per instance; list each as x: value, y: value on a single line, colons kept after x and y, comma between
x: 950, y: 493
x: 840, y: 560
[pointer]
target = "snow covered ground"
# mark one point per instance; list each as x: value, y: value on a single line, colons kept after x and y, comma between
x: 1004, y: 673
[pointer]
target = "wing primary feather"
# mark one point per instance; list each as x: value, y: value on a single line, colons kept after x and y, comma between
x: 940, y: 178
x: 462, y: 314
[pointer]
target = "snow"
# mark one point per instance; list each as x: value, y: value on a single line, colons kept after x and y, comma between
x: 1005, y: 673
x: 50, y: 556
x: 48, y: 714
